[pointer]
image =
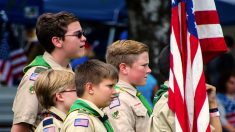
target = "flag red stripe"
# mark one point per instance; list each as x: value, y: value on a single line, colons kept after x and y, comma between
x: 175, y: 24
x: 193, y: 46
x: 212, y: 47
x: 180, y: 111
x: 206, y: 17
x: 199, y: 98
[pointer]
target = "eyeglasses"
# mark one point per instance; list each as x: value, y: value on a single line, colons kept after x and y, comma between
x: 77, y: 34
x: 72, y: 90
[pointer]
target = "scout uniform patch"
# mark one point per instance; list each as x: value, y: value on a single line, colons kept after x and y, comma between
x: 31, y: 90
x: 47, y: 125
x: 47, y: 122
x: 115, y: 114
x: 81, y: 122
x: 49, y: 129
x: 114, y: 103
x: 33, y: 76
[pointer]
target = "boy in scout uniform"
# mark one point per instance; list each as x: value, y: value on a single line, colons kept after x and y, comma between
x: 129, y: 111
x: 162, y: 118
x: 62, y: 37
x: 95, y: 82
x: 56, y: 92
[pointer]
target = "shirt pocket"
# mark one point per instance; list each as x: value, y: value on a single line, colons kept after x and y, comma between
x: 139, y: 109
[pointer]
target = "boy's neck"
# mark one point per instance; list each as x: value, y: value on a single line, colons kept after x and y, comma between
x: 60, y: 58
x: 124, y: 78
x: 90, y: 98
x: 61, y: 108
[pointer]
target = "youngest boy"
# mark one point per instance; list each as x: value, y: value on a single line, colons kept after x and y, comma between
x: 55, y: 90
x: 95, y: 82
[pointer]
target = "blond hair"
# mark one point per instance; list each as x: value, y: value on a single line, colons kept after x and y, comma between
x: 124, y: 51
x: 50, y: 82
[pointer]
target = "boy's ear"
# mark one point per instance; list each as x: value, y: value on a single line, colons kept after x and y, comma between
x: 123, y: 68
x: 89, y: 88
x: 58, y: 42
x: 59, y: 97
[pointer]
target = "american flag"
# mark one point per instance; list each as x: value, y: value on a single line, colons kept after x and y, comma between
x: 12, y: 67
x: 195, y: 33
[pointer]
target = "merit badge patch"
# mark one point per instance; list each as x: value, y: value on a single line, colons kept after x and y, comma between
x: 81, y: 122
x: 49, y: 129
x: 115, y: 114
x: 114, y: 103
x: 33, y: 76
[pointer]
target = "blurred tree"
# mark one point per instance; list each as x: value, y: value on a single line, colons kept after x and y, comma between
x: 149, y: 22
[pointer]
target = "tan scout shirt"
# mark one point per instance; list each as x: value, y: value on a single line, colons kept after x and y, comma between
x: 162, y: 118
x: 25, y: 107
x: 84, y: 122
x: 56, y: 124
x: 127, y: 113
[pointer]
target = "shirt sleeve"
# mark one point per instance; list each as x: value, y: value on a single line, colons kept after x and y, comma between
x: 121, y: 117
x: 25, y: 106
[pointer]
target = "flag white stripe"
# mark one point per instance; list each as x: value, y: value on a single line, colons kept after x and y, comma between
x: 188, y: 85
x: 18, y: 69
x: 177, y: 62
x: 19, y: 60
x: 203, y: 122
x: 15, y: 52
x: 6, y: 69
x: 171, y: 84
x: 177, y: 125
x: 204, y: 5
x: 209, y: 31
x: 197, y: 68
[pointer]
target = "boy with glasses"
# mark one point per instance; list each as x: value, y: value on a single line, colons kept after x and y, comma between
x: 95, y: 82
x: 62, y: 37
x: 55, y: 90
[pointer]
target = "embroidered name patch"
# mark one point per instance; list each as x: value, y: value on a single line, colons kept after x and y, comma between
x: 114, y: 103
x: 33, y: 76
x: 81, y: 122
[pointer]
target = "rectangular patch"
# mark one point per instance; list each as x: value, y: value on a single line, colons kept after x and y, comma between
x: 81, y: 122
x: 33, y: 76
x: 47, y: 122
x: 49, y: 129
x: 114, y: 103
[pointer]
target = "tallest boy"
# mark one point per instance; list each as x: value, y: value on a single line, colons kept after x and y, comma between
x: 62, y: 37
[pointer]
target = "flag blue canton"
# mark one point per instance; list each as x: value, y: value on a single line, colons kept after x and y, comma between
x: 4, y: 47
x: 191, y: 18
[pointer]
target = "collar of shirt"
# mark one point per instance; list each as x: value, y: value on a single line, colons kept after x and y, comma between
x: 92, y: 105
x: 166, y: 83
x: 127, y: 87
x: 59, y: 113
x: 51, y: 61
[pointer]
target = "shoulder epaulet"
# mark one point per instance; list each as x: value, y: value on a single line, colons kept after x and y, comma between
x: 83, y: 111
x: 47, y: 122
x: 39, y: 69
x: 163, y: 89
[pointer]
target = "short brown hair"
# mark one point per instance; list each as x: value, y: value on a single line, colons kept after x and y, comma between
x: 124, y: 51
x: 93, y: 71
x: 50, y: 82
x: 49, y: 25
